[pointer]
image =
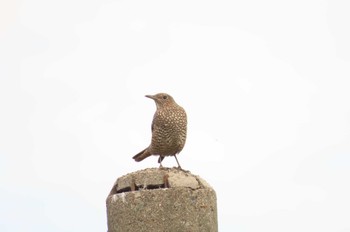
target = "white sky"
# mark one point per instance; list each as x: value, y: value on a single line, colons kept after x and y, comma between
x: 265, y: 85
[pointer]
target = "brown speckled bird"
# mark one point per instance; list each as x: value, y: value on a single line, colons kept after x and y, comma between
x: 169, y: 129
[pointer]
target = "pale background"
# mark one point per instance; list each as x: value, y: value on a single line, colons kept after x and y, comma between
x: 265, y: 85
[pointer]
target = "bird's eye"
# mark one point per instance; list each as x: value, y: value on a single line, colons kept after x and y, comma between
x: 165, y: 97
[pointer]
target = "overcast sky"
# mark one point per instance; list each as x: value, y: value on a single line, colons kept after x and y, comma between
x: 265, y: 85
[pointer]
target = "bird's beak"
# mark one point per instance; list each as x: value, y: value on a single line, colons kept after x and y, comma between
x: 151, y: 96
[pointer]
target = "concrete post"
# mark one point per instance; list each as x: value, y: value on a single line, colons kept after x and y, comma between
x: 165, y: 199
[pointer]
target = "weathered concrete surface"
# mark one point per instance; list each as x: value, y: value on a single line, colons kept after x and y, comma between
x: 166, y: 199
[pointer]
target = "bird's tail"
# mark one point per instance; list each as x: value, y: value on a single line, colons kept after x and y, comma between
x: 141, y: 155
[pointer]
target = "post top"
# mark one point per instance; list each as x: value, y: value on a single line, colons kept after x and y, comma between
x: 156, y: 178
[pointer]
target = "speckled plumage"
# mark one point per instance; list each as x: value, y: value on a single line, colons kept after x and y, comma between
x: 169, y: 129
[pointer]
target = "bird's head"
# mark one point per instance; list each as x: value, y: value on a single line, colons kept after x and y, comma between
x: 162, y: 99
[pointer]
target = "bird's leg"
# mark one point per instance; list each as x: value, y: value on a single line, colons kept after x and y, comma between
x: 178, y: 163
x: 160, y: 159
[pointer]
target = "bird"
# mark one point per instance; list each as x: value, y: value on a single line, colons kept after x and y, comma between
x: 169, y: 129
